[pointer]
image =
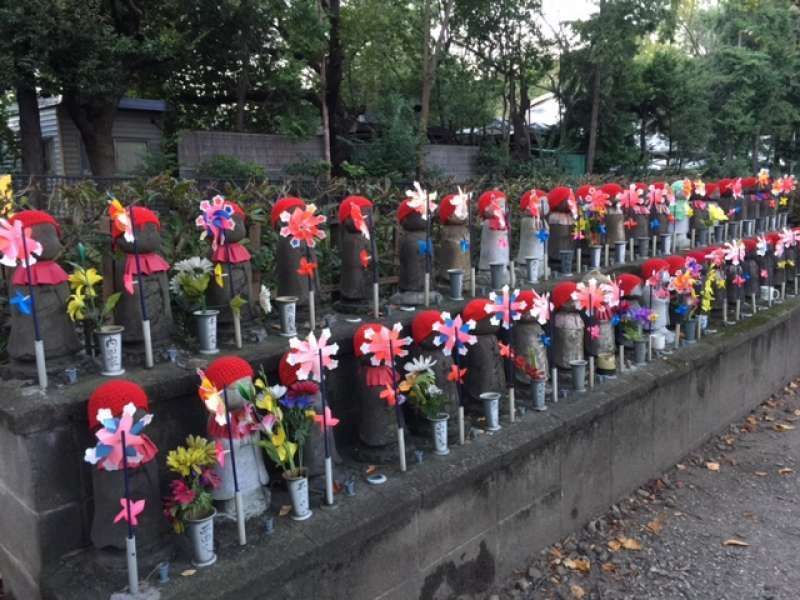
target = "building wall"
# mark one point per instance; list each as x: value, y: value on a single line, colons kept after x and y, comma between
x: 275, y: 152
x: 49, y: 124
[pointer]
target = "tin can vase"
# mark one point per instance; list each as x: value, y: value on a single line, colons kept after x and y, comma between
x: 619, y: 251
x: 201, y: 536
x: 491, y: 410
x: 497, y: 271
x: 532, y: 264
x: 109, y: 338
x: 595, y: 253
x: 538, y: 393
x: 578, y: 375
x: 639, y: 352
x: 207, y: 331
x: 565, y: 256
x: 287, y: 312
x: 439, y: 429
x: 456, y: 277
x: 298, y: 491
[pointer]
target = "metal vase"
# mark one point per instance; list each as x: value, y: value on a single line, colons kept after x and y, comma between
x: 439, y: 428
x: 690, y: 330
x: 538, y: 393
x: 456, y: 283
x: 532, y: 264
x: 207, y: 331
x: 497, y: 272
x: 749, y: 227
x: 578, y: 375
x: 491, y: 410
x: 109, y: 338
x: 201, y: 536
x: 719, y: 233
x: 643, y: 247
x: 287, y: 312
x: 565, y: 257
x: 298, y: 492
x: 595, y: 253
x: 619, y: 251
x: 665, y: 240
x: 639, y: 352
x: 702, y: 237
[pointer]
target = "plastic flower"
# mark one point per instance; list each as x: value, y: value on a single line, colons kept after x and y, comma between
x: 763, y: 177
x: 420, y: 364
x: 682, y: 282
x: 132, y: 507
x: 76, y: 307
x: 306, y: 268
x: 456, y: 375
x: 421, y: 201
x: 81, y: 280
x: 302, y: 226
x: 265, y: 299
x: 219, y: 276
x: 12, y: 244
x: 181, y: 493
x: 716, y: 214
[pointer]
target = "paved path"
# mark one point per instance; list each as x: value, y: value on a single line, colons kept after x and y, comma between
x: 722, y: 524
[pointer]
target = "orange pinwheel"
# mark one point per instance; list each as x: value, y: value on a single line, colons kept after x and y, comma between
x: 306, y: 268
x: 389, y: 395
x: 456, y: 375
x: 364, y: 257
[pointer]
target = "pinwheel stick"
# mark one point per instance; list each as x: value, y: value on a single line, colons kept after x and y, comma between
x: 398, y: 411
x: 130, y: 541
x: 148, y: 343
x: 38, y: 343
x: 237, y: 318
x: 459, y: 394
x: 512, y: 409
x: 376, y: 287
x: 312, y: 308
x: 428, y: 251
x: 512, y: 273
x: 328, y: 460
x: 472, y: 282
x: 237, y: 492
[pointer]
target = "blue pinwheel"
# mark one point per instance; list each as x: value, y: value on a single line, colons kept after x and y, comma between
x: 655, y: 224
x: 543, y: 235
x: 546, y: 340
x: 23, y: 303
x: 424, y: 247
x: 464, y: 243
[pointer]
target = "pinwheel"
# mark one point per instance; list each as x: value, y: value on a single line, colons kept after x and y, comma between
x: 505, y: 311
x: 212, y: 398
x: 736, y: 188
x: 588, y: 296
x: 216, y: 217
x: 130, y: 511
x: 734, y: 252
x: 311, y: 355
x: 364, y: 258
x: 120, y: 219
x: 454, y: 334
x: 384, y: 345
x: 421, y: 201
x: 460, y: 203
x: 763, y: 177
x: 358, y: 219
x: 612, y: 294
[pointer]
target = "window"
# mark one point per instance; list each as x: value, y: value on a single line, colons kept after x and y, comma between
x: 128, y: 154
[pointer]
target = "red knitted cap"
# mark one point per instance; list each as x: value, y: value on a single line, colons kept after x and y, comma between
x: 628, y: 282
x: 226, y: 369
x: 474, y: 310
x: 344, y: 206
x: 750, y: 244
x: 446, y: 208
x: 141, y: 216
x: 749, y: 184
x: 404, y: 210
x: 654, y: 265
x: 773, y: 237
x: 359, y: 336
x: 583, y: 191
x: 675, y: 263
x: 698, y: 255
x: 114, y: 395
x: 640, y: 186
x: 711, y: 187
x: 659, y: 185
x: 526, y: 296
x: 725, y: 187
x: 422, y: 325
x: 487, y: 197
x: 29, y: 218
x: 287, y: 374
x: 534, y: 195
x: 562, y: 293
x: 612, y: 189
x: 283, y: 204
x: 557, y: 196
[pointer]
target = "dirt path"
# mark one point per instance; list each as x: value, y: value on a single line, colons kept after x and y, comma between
x: 722, y: 524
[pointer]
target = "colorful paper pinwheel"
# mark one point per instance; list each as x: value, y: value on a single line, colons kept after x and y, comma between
x: 612, y: 294
x: 630, y: 199
x: 130, y: 507
x: 734, y: 252
x: 504, y: 308
x: 421, y: 201
x: 107, y: 454
x: 460, y: 203
x: 302, y: 226
x: 12, y: 247
x: 454, y: 334
x: 216, y: 217
x: 588, y: 296
x: 385, y: 344
x: 327, y: 418
x: 212, y: 398
x: 120, y: 219
x: 305, y: 355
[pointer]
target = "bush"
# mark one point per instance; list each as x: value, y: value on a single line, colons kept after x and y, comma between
x: 229, y: 168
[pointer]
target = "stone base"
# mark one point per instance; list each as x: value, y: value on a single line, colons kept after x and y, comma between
x: 415, y: 298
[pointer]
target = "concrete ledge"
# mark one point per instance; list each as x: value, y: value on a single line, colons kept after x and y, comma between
x: 455, y: 525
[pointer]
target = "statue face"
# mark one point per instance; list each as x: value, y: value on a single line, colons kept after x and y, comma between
x: 47, y: 236
x: 414, y: 222
x: 148, y: 239
x: 235, y: 400
x: 238, y: 233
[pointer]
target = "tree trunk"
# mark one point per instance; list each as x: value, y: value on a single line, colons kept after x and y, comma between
x: 590, y: 152
x: 94, y: 118
x: 427, y: 82
x: 334, y: 68
x: 756, y: 137
x: 643, y: 140
x: 30, y: 131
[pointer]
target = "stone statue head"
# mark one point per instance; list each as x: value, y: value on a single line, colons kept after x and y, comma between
x: 147, y: 230
x: 346, y: 214
x: 229, y: 373
x: 44, y: 229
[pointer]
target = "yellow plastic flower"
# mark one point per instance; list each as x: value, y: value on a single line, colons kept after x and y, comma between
x: 783, y: 201
x: 259, y: 383
x: 198, y: 453
x: 689, y: 211
x: 716, y: 213
x: 653, y: 316
x: 311, y: 413
x: 218, y: 275
x: 265, y: 402
x: 286, y: 451
x: 76, y: 307
x: 278, y: 438
x: 83, y: 280
x: 6, y: 191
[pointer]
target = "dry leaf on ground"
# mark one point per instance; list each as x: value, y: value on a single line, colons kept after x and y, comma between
x: 760, y: 473
x: 188, y: 572
x: 785, y: 471
x: 608, y: 567
x: 712, y: 466
x: 656, y: 525
x: 577, y: 591
x: 614, y: 545
x: 735, y: 542
x: 371, y: 469
x: 783, y: 427
x: 680, y: 467
x: 579, y: 564
x: 285, y: 510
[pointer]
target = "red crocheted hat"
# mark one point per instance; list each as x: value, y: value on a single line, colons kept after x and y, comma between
x: 699, y: 255
x: 29, y: 218
x: 628, y: 282
x: 583, y: 191
x: 534, y: 195
x: 749, y: 184
x: 562, y: 293
x: 422, y: 325
x: 114, y: 395
x: 654, y: 265
x: 226, y: 369
x: 640, y: 186
x: 140, y: 216
x: 711, y: 188
x: 526, y: 296
x: 557, y: 196
x: 359, y: 336
x: 404, y: 210
x: 446, y: 208
x: 750, y: 244
x: 725, y: 187
x: 344, y: 206
x: 612, y: 189
x: 773, y: 237
x: 283, y: 204
x: 487, y: 197
x: 659, y: 185
x: 675, y: 263
x: 474, y: 310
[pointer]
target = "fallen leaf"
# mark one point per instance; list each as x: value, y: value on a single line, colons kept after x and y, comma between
x: 793, y: 385
x: 734, y: 542
x: 769, y: 418
x: 371, y: 469
x: 748, y: 515
x: 337, y: 487
x: 608, y: 567
x: 783, y: 427
x: 712, y: 466
x: 614, y: 545
x: 188, y: 572
x: 655, y: 526
x: 555, y: 552
x: 771, y: 403
x: 760, y: 473
x: 680, y: 467
x: 577, y: 591
x: 751, y: 423
x: 797, y: 412
x: 580, y: 564
x: 729, y: 440
x: 285, y: 510
x: 630, y: 544
x: 785, y: 471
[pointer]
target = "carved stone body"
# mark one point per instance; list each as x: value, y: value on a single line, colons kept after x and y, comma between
x: 561, y: 225
x: 529, y: 242
x: 377, y: 425
x: 568, y: 334
x: 241, y: 272
x: 485, y: 369
x: 615, y: 226
x: 355, y: 283
x: 453, y: 249
x: 528, y: 340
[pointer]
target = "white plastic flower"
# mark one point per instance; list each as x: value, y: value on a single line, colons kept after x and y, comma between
x: 420, y: 365
x: 434, y: 390
x: 264, y: 299
x: 277, y: 391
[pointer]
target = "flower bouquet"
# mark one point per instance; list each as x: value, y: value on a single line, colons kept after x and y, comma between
x: 419, y: 386
x: 189, y: 285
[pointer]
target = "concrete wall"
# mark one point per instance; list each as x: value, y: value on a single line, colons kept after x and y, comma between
x: 276, y: 152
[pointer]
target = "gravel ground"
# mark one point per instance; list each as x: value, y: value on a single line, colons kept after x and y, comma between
x: 722, y: 524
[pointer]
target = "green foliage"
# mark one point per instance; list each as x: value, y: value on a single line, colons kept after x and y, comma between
x: 228, y: 168
x: 393, y: 153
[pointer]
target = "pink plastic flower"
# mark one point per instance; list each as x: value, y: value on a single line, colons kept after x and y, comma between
x: 182, y: 493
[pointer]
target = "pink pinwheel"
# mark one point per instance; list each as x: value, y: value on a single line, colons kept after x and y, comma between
x: 612, y: 294
x: 629, y: 199
x: 717, y: 256
x: 738, y: 281
x: 219, y: 449
x: 598, y: 200
x: 588, y: 296
x: 761, y: 245
x: 572, y: 204
x: 505, y: 311
x: 542, y: 307
x: 736, y: 188
x: 12, y: 247
x: 786, y: 239
x: 385, y: 344
x: 460, y: 202
x: 216, y: 217
x: 421, y: 201
x: 699, y: 187
x: 497, y: 210
x: 302, y: 225
x: 594, y: 332
x: 358, y: 219
x: 136, y: 508
x: 107, y: 454
x: 788, y: 184
x: 454, y: 334
x: 328, y: 418
x: 305, y: 354
x: 734, y: 252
